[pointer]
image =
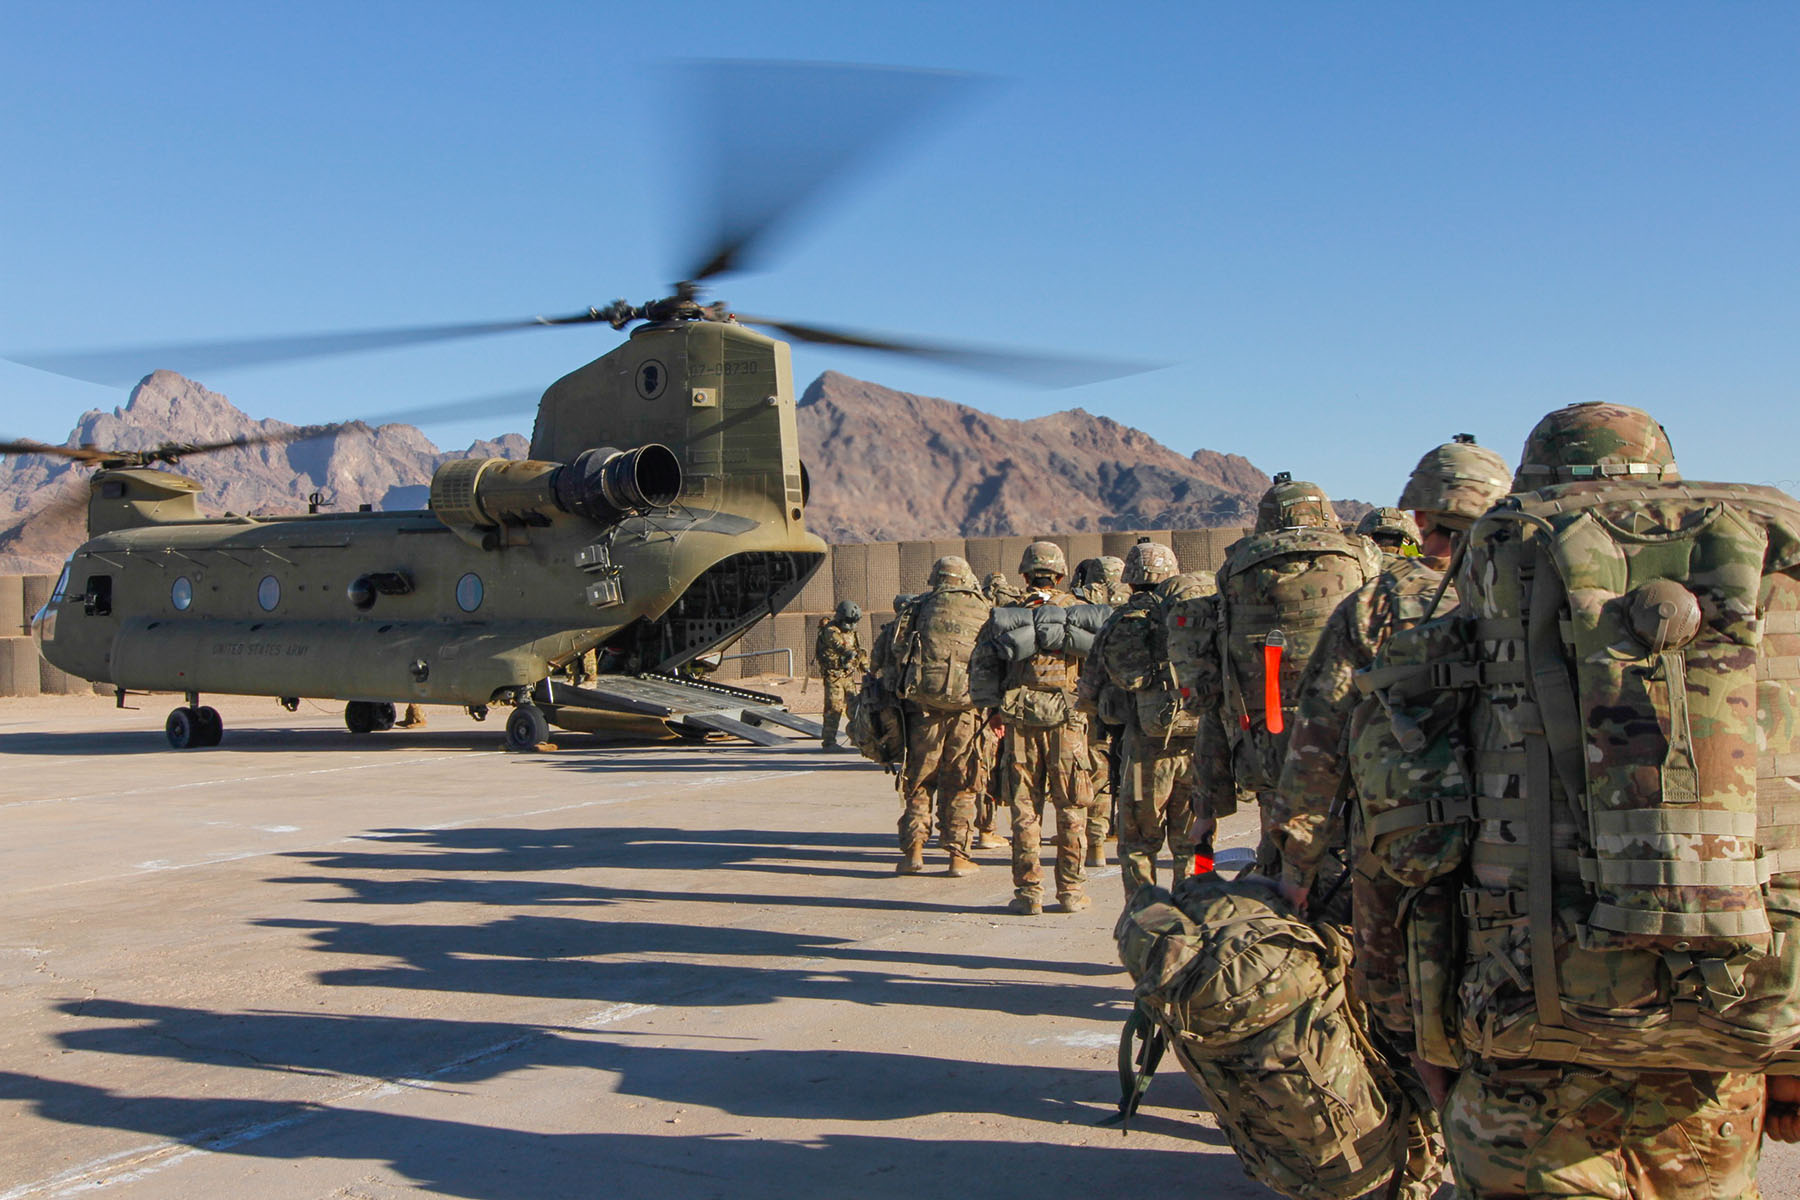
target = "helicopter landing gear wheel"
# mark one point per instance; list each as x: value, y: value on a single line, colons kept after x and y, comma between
x: 190, y: 728
x: 368, y: 716
x: 526, y: 727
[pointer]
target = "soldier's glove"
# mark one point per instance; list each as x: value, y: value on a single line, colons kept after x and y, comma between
x: 1782, y: 1121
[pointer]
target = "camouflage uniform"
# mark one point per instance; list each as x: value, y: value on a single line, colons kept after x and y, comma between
x: 1540, y: 1129
x: 999, y: 592
x: 1104, y: 582
x: 943, y: 748
x: 841, y: 664
x: 1308, y: 816
x: 1044, y: 749
x: 1129, y: 675
x: 1240, y: 754
x: 1105, y: 585
x: 1535, y: 936
x: 1316, y: 767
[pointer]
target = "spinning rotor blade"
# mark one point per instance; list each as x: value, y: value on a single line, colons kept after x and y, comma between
x: 1027, y: 366
x: 170, y: 452
x: 809, y: 127
x: 127, y: 366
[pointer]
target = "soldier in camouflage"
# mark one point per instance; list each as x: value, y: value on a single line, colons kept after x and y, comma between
x: 1103, y: 581
x: 1451, y: 486
x: 1558, y: 1126
x: 1155, y: 751
x: 1104, y: 584
x: 943, y: 745
x: 1043, y: 746
x: 999, y: 592
x: 841, y: 663
x: 1393, y: 529
x: 1277, y: 588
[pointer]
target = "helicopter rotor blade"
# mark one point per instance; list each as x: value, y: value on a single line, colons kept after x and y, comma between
x: 170, y: 452
x: 817, y: 125
x: 1026, y: 366
x: 72, y: 453
x: 127, y: 366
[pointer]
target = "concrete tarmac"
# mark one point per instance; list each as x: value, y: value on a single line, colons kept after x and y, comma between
x: 315, y: 965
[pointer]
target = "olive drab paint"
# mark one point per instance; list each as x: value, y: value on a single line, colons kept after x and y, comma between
x: 377, y: 605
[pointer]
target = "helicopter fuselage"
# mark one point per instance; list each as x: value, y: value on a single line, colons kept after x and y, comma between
x: 515, y: 569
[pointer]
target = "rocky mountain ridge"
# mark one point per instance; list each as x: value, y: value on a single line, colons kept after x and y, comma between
x: 42, y: 499
x: 885, y: 465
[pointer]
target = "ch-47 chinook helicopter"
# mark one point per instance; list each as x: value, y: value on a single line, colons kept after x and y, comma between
x: 660, y: 514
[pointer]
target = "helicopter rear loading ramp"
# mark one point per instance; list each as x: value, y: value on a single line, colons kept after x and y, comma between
x: 687, y: 707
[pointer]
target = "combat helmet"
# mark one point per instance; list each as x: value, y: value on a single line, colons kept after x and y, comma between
x: 1087, y: 571
x: 1112, y: 569
x: 952, y: 570
x: 1391, y: 528
x: 1149, y: 562
x: 1456, y: 482
x: 1177, y: 588
x: 1290, y: 502
x: 1595, y: 440
x: 1042, y: 558
x: 849, y: 612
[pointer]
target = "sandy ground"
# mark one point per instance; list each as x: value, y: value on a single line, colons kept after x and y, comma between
x: 308, y: 964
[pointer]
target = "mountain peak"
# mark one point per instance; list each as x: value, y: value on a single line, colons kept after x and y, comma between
x: 890, y: 465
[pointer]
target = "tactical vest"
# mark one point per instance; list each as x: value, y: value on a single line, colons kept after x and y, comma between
x: 1589, y: 777
x: 1276, y: 592
x: 1255, y: 1006
x: 934, y: 660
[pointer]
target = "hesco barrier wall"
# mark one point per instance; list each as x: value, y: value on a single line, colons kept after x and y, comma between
x: 871, y: 574
x: 23, y: 672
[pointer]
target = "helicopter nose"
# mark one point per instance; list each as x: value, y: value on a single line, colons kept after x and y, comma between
x: 43, y: 624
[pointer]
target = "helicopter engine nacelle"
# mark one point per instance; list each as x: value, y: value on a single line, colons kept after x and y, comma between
x: 604, y: 485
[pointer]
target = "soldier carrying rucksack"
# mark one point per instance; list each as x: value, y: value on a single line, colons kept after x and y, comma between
x: 1277, y: 588
x: 931, y: 665
x: 1582, y: 779
x: 1127, y: 677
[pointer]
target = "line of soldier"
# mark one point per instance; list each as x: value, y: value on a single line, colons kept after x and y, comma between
x: 974, y: 698
x: 1539, y: 759
x: 1576, y: 922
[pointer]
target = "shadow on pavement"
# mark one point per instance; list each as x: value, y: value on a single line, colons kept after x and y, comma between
x: 486, y: 1163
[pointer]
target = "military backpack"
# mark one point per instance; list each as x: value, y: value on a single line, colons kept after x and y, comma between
x: 1254, y: 1004
x: 940, y: 638
x: 1589, y: 779
x: 1276, y: 591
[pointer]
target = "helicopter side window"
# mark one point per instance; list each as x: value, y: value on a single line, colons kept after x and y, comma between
x: 96, y: 598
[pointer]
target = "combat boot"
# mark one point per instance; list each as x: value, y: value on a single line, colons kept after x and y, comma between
x: 1072, y: 902
x: 1025, y: 906
x: 960, y: 865
x: 911, y: 863
x: 1096, y: 854
x: 992, y: 841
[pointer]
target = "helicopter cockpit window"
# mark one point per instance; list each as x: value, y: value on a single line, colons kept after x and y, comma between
x: 62, y: 585
x: 468, y: 592
x: 181, y: 593
x: 96, y: 598
x: 268, y: 593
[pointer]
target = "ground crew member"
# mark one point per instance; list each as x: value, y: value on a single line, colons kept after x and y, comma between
x: 841, y: 661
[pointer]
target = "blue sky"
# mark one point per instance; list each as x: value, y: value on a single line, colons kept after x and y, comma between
x: 1355, y: 229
